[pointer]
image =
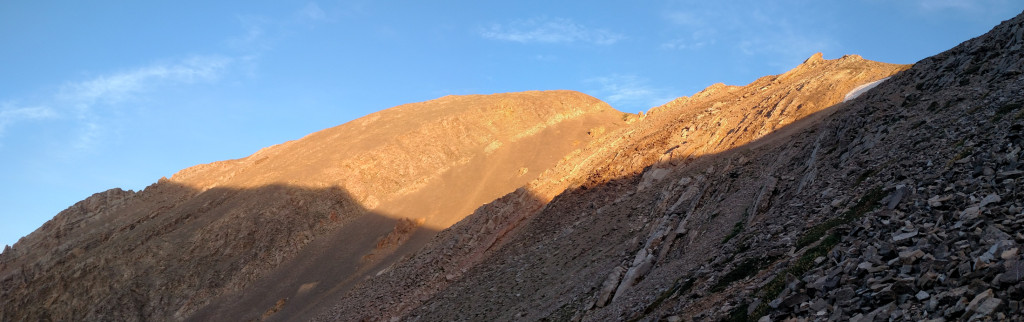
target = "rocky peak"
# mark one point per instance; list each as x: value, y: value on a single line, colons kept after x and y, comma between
x: 814, y: 59
x: 899, y: 204
x: 217, y: 229
x: 774, y: 200
x: 623, y: 195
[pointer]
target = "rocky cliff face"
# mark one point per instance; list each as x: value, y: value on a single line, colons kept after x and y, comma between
x: 787, y: 197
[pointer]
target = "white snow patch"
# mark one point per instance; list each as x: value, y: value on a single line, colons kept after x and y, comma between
x: 861, y: 89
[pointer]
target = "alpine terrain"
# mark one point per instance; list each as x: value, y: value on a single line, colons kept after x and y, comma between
x: 843, y: 189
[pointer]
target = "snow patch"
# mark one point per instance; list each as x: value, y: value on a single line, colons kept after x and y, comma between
x: 861, y: 89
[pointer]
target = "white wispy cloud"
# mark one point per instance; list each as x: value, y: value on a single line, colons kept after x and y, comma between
x: 90, y: 103
x: 549, y: 30
x: 786, y: 44
x: 692, y: 29
x: 761, y: 32
x: 312, y: 12
x: 683, y: 18
x: 11, y: 113
x: 697, y: 39
x: 629, y: 92
x: 93, y: 107
x: 117, y: 87
x: 261, y: 33
x: 254, y: 38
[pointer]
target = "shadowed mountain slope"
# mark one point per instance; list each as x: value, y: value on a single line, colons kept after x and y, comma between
x: 902, y: 204
x: 216, y: 229
x: 548, y: 244
x: 809, y: 194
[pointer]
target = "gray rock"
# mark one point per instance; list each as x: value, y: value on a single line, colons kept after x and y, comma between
x: 978, y: 300
x: 753, y: 306
x: 844, y: 294
x: 993, y: 235
x: 860, y: 318
x: 896, y: 196
x: 911, y: 256
x: 864, y: 265
x: 1014, y: 272
x: 904, y: 236
x: 794, y: 299
x: 819, y: 305
x: 1009, y: 254
x: 937, y: 201
x: 1009, y: 174
x: 990, y: 199
x: 970, y: 213
x: 922, y: 295
x: 988, y: 306
x: 989, y: 255
x: 609, y: 285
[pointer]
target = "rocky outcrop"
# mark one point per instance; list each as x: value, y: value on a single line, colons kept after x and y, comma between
x: 939, y: 235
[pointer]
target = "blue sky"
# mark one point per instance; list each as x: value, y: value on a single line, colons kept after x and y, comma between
x: 102, y: 94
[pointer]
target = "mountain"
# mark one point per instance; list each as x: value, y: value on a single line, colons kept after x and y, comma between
x: 366, y: 193
x: 545, y: 250
x: 844, y: 189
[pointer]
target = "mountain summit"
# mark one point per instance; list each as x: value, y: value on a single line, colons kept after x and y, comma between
x: 844, y: 189
x: 366, y: 193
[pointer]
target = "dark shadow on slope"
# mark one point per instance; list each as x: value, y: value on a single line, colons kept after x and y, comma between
x: 170, y: 249
x: 556, y: 262
x: 577, y: 233
x: 322, y: 271
x: 296, y: 245
x: 590, y: 229
x: 511, y: 227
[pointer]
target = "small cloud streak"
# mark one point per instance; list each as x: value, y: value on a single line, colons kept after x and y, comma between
x: 698, y: 39
x: 312, y: 12
x: 683, y: 18
x: 629, y: 92
x: 254, y: 39
x: 762, y: 32
x: 109, y: 90
x: 787, y: 45
x: 10, y: 114
x: 118, y: 87
x: 556, y: 30
x: 91, y: 104
x: 696, y: 31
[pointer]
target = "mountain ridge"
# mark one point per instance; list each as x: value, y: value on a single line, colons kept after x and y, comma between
x: 777, y: 199
x: 519, y: 208
x: 803, y: 228
x: 220, y: 211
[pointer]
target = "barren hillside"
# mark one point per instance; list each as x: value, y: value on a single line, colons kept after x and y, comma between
x: 844, y: 189
x: 330, y: 207
x: 548, y: 247
x: 899, y: 204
